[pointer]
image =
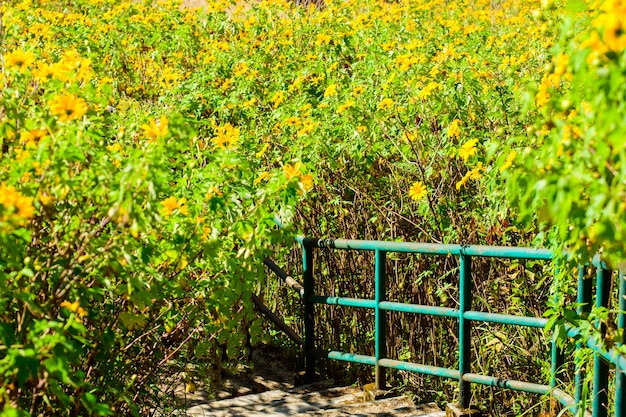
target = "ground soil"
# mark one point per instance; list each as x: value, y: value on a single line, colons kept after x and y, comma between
x: 270, y: 368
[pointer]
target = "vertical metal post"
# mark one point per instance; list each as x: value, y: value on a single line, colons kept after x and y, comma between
x: 380, y: 318
x: 620, y: 374
x: 556, y: 361
x: 584, y: 299
x: 599, y: 404
x: 465, y: 304
x: 309, y: 311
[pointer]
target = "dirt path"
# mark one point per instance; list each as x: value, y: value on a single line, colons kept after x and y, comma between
x: 271, y: 368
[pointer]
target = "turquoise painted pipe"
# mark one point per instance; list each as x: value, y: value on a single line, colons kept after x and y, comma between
x: 346, y: 357
x: 429, y: 248
x: 342, y: 301
x: 419, y: 309
x: 465, y: 328
x: 600, y: 397
x: 422, y: 369
x: 380, y: 317
x: 507, y: 383
x: 506, y: 319
x: 584, y: 300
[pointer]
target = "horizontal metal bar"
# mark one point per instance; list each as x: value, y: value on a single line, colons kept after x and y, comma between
x: 506, y: 319
x: 611, y: 356
x: 429, y: 248
x: 507, y: 383
x: 433, y: 310
x: 292, y: 283
x: 568, y: 401
x: 563, y: 397
x: 419, y: 309
x: 345, y: 357
x: 342, y: 301
x: 276, y: 320
x: 423, y: 369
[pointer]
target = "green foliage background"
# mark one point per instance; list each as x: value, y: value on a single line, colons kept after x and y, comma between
x: 132, y: 232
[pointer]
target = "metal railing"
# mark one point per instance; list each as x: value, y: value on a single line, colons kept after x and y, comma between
x: 466, y: 316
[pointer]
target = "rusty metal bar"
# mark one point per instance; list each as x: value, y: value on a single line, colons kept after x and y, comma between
x: 278, y: 322
x: 292, y: 283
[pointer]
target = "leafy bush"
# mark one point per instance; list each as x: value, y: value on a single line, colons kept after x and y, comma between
x: 570, y: 168
x: 129, y: 232
x: 569, y: 177
x: 147, y: 148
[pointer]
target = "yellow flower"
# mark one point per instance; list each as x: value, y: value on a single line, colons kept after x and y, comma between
x: 322, y: 39
x: 156, y: 128
x: 24, y: 207
x: 405, y: 62
x: 345, y: 106
x: 613, y: 22
x: 410, y: 136
x: 21, y: 154
x: 43, y: 71
x: 330, y: 91
x: 171, y: 203
x: 426, y: 91
x: 292, y: 121
x: 207, y: 231
x: 357, y: 91
x: 46, y: 199
x: 292, y: 171
x: 68, y: 107
x: 40, y: 29
x: 249, y: 103
x: 417, y: 191
x: 468, y: 149
x: 116, y: 147
x: 560, y: 65
x: 454, y: 130
x: 307, y: 128
x: 240, y: 69
x: 307, y: 182
x: 214, y: 192
x: 263, y: 150
x: 16, y: 207
x: 226, y: 84
x: 277, y: 99
x: 598, y: 48
x: 385, y: 104
x: 332, y: 68
x: 463, y: 181
x: 226, y: 136
x: 32, y: 138
x: 19, y: 59
x: 473, y: 174
x: 74, y: 308
x: 542, y: 98
x: 509, y: 161
x: 264, y: 175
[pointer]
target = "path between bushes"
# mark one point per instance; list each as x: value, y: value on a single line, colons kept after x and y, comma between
x: 271, y: 368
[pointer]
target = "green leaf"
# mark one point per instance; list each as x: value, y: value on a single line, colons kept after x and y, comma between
x: 133, y: 321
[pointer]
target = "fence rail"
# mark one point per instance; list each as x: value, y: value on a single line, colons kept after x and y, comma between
x: 466, y: 316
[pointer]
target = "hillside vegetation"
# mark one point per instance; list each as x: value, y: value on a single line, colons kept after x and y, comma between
x: 146, y: 151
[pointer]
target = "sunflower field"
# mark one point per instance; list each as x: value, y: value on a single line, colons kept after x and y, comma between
x: 149, y: 149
